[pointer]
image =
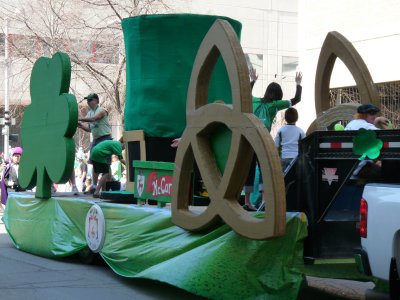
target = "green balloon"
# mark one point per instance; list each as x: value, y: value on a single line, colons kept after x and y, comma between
x: 338, y: 127
x: 366, y: 144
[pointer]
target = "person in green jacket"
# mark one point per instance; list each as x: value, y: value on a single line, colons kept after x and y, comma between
x: 101, y: 165
x: 265, y: 109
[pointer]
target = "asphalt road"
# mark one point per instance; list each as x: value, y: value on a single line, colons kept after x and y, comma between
x: 25, y: 276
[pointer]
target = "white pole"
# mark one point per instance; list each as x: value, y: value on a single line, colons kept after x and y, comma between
x: 6, y: 107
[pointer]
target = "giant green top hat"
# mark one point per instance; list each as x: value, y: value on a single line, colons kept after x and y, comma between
x: 160, y: 51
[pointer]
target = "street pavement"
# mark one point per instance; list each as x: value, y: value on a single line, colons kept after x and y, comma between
x: 327, y: 289
x: 25, y: 276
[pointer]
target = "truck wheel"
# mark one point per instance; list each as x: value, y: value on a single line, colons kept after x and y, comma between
x: 394, y: 281
x: 86, y: 256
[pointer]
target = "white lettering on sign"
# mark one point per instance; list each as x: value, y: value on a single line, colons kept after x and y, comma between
x: 161, y: 187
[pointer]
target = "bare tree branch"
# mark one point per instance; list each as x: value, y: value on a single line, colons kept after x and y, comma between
x: 88, y: 30
x: 114, y: 9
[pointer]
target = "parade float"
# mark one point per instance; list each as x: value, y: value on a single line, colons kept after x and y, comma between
x: 220, y: 251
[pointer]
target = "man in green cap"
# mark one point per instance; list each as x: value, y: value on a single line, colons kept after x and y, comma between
x: 96, y: 122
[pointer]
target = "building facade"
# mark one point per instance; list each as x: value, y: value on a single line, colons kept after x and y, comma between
x: 269, y: 35
x: 269, y: 39
x: 372, y: 26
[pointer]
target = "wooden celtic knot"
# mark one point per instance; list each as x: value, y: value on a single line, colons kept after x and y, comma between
x: 341, y: 112
x: 248, y: 135
x: 337, y: 46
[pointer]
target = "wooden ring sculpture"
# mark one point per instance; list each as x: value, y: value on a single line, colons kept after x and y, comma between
x: 326, y: 118
x: 249, y: 135
x: 337, y: 46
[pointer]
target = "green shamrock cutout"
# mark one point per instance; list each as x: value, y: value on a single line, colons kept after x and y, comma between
x: 48, y: 125
x: 365, y: 144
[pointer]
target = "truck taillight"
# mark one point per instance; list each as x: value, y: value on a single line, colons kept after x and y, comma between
x: 363, y: 218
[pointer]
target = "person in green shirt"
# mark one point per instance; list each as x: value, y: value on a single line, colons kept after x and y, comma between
x: 265, y: 109
x: 101, y: 165
x: 116, y: 168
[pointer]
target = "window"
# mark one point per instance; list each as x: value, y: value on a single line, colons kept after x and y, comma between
x: 289, y: 64
x: 255, y: 61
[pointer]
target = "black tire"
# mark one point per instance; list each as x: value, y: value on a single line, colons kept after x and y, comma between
x: 394, y: 281
x: 86, y: 256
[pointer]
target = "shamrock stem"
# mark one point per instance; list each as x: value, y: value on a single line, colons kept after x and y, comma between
x: 43, y: 184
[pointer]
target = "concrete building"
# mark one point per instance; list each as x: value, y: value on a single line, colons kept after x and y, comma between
x: 269, y: 35
x: 269, y: 39
x: 372, y: 26
x: 280, y: 37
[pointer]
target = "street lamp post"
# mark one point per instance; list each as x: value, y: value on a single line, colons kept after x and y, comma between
x: 6, y: 106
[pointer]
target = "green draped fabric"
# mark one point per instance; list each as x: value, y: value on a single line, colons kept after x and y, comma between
x: 142, y: 242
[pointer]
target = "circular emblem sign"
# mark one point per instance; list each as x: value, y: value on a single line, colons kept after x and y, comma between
x: 95, y: 228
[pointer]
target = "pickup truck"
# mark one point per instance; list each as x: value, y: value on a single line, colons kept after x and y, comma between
x: 379, y: 227
x: 321, y: 184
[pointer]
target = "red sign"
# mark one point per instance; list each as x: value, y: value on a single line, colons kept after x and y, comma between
x: 159, y: 186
